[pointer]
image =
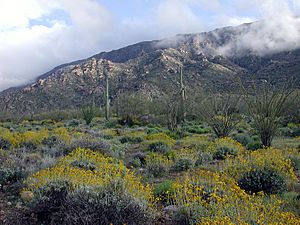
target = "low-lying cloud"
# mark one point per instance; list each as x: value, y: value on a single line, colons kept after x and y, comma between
x: 278, y: 31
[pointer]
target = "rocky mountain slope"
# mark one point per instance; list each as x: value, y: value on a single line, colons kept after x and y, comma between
x: 152, y: 67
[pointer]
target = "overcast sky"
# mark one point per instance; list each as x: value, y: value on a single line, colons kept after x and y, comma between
x: 37, y: 35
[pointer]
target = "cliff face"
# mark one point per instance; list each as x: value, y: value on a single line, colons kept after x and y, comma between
x: 152, y: 68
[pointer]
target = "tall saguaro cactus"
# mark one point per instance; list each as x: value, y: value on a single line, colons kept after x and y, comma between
x: 183, y: 97
x: 106, y: 97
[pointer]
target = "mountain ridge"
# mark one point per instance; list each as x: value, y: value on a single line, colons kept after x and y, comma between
x: 151, y: 67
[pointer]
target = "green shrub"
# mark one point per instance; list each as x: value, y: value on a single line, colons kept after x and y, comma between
x: 223, y: 151
x: 73, y: 123
x: 244, y: 139
x: 47, y: 202
x: 5, y: 144
x: 295, y: 159
x: 56, y: 203
x: 88, y: 114
x: 183, y: 164
x: 135, y: 163
x: 296, y: 132
x: 129, y: 121
x: 132, y: 140
x: 267, y: 180
x: 159, y: 147
x: 198, y: 130
x: 52, y: 141
x: 165, y: 192
x: 95, y: 145
x: 157, y: 165
x: 203, y: 157
x: 10, y: 176
x: 254, y: 145
x: 103, y: 207
x: 28, y: 145
x: 84, y: 164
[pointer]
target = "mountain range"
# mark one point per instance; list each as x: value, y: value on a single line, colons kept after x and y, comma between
x: 152, y: 67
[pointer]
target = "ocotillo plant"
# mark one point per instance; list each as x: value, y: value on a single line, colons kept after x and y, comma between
x: 266, y: 106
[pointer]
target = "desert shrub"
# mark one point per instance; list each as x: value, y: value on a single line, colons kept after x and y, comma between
x: 177, y: 134
x: 104, y: 206
x: 129, y: 121
x: 222, y: 147
x: 5, y: 144
x: 73, y: 123
x: 267, y: 180
x: 132, y: 140
x: 95, y: 145
x: 52, y: 141
x: 12, y: 137
x: 211, y: 198
x: 258, y: 160
x: 244, y: 139
x: 164, y: 192
x: 159, y: 147
x: 295, y: 160
x: 35, y: 137
x: 296, y: 132
x: 183, y: 164
x: 56, y: 190
x: 198, y: 129
x: 157, y: 165
x: 254, y: 145
x: 223, y: 151
x: 198, y: 142
x: 161, y: 137
x: 135, y: 163
x: 10, y: 175
x: 83, y: 164
x: 47, y: 200
x: 28, y: 145
x: 62, y: 133
x: 203, y: 157
x: 88, y: 114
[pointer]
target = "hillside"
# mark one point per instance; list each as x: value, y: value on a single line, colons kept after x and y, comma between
x: 152, y: 67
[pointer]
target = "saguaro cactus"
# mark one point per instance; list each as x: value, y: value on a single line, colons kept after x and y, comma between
x: 183, y: 97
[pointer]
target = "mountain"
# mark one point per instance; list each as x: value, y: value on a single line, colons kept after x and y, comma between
x: 152, y: 67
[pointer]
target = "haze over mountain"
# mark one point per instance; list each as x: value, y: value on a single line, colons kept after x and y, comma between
x: 210, y: 60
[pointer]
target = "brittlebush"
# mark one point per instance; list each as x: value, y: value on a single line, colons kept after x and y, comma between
x: 213, y: 198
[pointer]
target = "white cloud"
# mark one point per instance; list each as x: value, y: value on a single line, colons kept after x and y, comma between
x: 28, y: 51
x: 278, y: 31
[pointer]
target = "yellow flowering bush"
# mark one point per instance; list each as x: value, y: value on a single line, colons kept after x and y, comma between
x: 157, y: 164
x: 223, y: 148
x: 13, y: 137
x: 107, y: 170
x: 195, y: 141
x: 264, y: 158
x: 63, y: 134
x: 161, y: 137
x: 34, y: 136
x: 213, y: 198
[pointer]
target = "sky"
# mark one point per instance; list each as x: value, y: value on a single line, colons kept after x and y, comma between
x: 37, y: 35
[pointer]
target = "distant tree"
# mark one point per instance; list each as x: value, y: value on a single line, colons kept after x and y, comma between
x: 132, y: 105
